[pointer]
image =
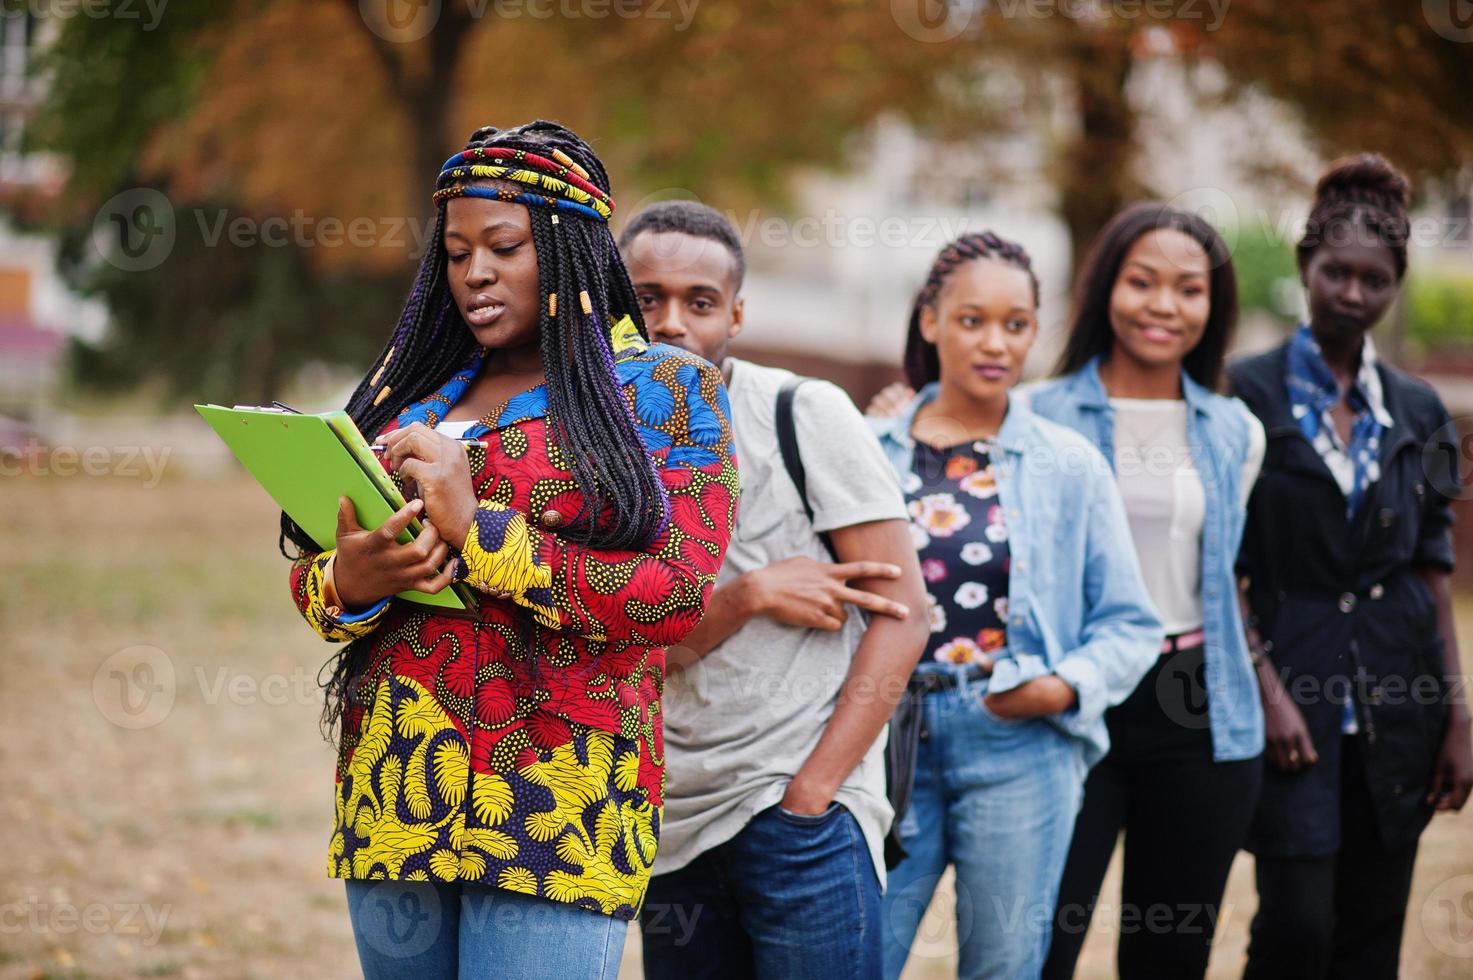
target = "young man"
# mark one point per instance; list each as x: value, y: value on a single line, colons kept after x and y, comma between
x: 771, y: 847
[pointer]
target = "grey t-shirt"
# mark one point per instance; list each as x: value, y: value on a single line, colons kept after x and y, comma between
x: 742, y: 721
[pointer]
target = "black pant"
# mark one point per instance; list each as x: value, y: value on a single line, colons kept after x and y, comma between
x: 1184, y: 818
x: 1339, y: 916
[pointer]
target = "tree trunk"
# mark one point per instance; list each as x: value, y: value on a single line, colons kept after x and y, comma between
x: 420, y: 74
x: 1095, y: 169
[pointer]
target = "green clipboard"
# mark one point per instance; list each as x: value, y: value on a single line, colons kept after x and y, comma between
x: 306, y: 462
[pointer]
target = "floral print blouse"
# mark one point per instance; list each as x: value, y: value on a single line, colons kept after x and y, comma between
x: 962, y: 542
x: 462, y: 758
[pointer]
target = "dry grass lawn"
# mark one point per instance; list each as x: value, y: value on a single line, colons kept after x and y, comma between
x: 184, y: 836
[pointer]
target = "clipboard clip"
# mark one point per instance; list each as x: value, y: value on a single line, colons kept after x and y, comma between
x: 273, y: 407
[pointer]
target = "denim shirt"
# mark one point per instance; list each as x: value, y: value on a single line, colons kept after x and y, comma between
x: 1077, y: 606
x: 1218, y: 430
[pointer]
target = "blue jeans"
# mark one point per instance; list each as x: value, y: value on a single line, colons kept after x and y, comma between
x: 433, y: 931
x: 997, y: 799
x: 790, y: 896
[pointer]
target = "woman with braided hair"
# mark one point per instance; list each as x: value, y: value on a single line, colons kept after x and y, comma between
x: 1155, y: 308
x: 500, y: 772
x: 1346, y: 558
x: 1039, y: 616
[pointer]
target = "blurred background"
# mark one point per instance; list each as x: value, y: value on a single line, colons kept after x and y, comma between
x: 225, y: 201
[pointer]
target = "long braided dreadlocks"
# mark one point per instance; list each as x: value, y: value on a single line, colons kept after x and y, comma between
x: 922, y: 363
x: 578, y: 264
x: 584, y: 288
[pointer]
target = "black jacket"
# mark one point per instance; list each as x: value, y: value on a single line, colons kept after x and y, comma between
x: 1343, y: 612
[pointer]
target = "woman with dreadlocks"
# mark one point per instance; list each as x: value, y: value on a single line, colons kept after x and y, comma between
x: 500, y: 772
x: 1039, y: 616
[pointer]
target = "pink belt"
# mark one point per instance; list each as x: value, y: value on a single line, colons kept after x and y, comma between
x: 1183, y: 641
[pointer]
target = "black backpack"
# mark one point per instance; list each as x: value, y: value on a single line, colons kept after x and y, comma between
x: 787, y: 444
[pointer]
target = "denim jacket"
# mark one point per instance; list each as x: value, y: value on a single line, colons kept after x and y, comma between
x: 1077, y: 606
x: 1218, y: 431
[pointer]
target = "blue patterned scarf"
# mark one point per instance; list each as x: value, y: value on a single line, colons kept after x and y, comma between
x: 1313, y: 394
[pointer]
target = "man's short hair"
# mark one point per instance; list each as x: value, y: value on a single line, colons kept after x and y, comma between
x: 688, y: 218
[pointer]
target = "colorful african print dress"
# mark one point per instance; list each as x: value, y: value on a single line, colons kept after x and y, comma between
x: 462, y: 759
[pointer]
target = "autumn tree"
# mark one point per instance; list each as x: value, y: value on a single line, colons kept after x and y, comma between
x: 271, y: 110
x: 336, y: 113
x: 1383, y: 75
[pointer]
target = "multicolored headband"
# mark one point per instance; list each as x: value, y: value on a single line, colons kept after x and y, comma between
x: 570, y: 188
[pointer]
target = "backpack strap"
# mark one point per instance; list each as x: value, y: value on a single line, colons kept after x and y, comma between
x: 787, y: 444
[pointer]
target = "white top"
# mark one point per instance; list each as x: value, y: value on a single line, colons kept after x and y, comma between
x: 744, y: 719
x: 1165, y: 503
x: 457, y: 428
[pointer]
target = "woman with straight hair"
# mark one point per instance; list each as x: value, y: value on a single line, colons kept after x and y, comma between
x: 1155, y: 308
